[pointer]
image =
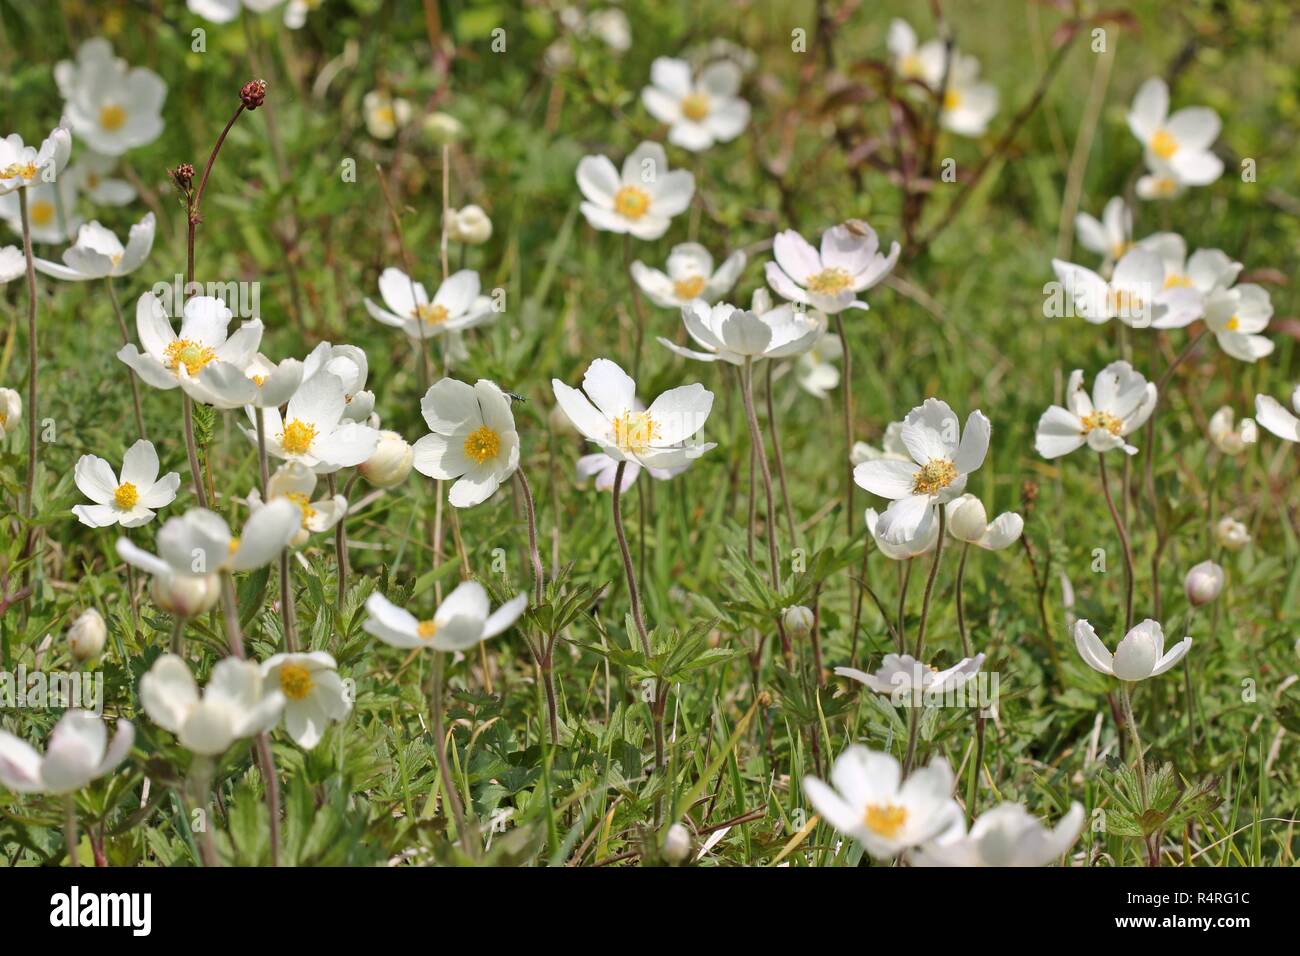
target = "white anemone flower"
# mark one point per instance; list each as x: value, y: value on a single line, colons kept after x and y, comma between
x: 1006, y: 835
x: 312, y: 430
x: 816, y: 371
x: 1121, y: 402
x: 690, y: 276
x: 51, y: 211
x: 607, y: 414
x: 923, y: 542
x: 733, y: 335
x: 1110, y: 237
x: 1230, y: 534
x: 848, y: 263
x: 937, y: 473
x: 296, y: 482
x: 923, y: 63
x: 11, y: 411
x: 600, y: 466
x: 906, y: 680
x: 639, y: 200
x: 461, y: 621
x: 1141, y: 653
x: 313, y: 692
x: 1269, y: 412
x: 92, y: 176
x: 1160, y: 183
x: 260, y: 383
x: 1229, y: 436
x: 1176, y: 146
x: 456, y: 306
x: 1203, y: 271
x: 968, y: 104
x: 473, y: 440
x: 12, y: 263
x: 349, y: 363
x: 98, y: 254
x: 112, y: 106
x: 23, y: 167
x: 385, y: 114
x: 129, y: 501
x: 891, y: 447
x: 199, y: 543
x: 1236, y: 316
x: 1135, y: 294
x: 699, y: 111
x: 234, y: 704
x: 968, y: 521
x: 871, y: 803
x: 77, y: 752
x: 170, y: 360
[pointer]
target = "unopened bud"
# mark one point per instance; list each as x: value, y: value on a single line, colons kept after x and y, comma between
x: 798, y: 620
x: 443, y: 129
x: 87, y: 635
x: 470, y: 225
x: 1231, y: 534
x: 11, y: 410
x: 1203, y: 583
x: 390, y: 463
x: 183, y: 596
x: 967, y: 519
x: 677, y: 844
x: 253, y: 94
x: 183, y: 176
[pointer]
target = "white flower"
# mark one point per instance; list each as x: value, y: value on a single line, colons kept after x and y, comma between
x: 923, y: 63
x: 349, y: 363
x: 612, y: 27
x: 385, y: 114
x: 11, y: 411
x: 91, y: 176
x: 1135, y: 294
x: 295, y: 12
x: 461, y: 621
x: 51, y: 211
x: 641, y: 200
x: 313, y: 430
x: 699, y: 111
x: 690, y: 276
x: 1006, y: 835
x: 1203, y: 583
x: 390, y: 463
x: 677, y: 844
x: 1177, y: 146
x: 456, y: 305
x: 25, y: 166
x: 470, y: 225
x: 1231, y: 534
x: 296, y: 482
x: 87, y: 635
x: 1122, y: 400
x: 1141, y: 654
x: 968, y: 104
x: 816, y: 370
x: 798, y: 620
x: 969, y: 522
x: 181, y: 595
x: 659, y: 437
x: 1204, y: 271
x: 1235, y: 316
x: 906, y: 680
x: 473, y: 440
x: 170, y: 360
x: 1111, y: 237
x: 734, y: 335
x: 937, y: 472
x: 77, y: 753
x: 1160, y: 184
x: 600, y: 466
x: 98, y: 254
x: 259, y: 383
x: 312, y: 691
x: 923, y: 542
x: 849, y: 263
x: 1230, y: 439
x: 872, y: 804
x: 130, y: 501
x: 233, y: 706
x: 110, y: 105
x: 1269, y: 412
x: 443, y: 129
x: 199, y: 543
x: 891, y: 447
x: 13, y: 263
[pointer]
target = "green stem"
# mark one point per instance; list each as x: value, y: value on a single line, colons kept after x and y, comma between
x: 1122, y: 531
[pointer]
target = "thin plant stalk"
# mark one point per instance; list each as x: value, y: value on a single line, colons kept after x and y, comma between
x: 340, y: 544
x: 1126, y: 700
x: 451, y: 795
x: 929, y: 584
x: 904, y: 580
x: 961, y: 610
x: 778, y: 457
x: 1122, y: 531
x: 756, y: 440
x: 33, y: 416
x: 70, y: 832
x: 638, y: 307
x: 130, y: 372
x: 192, y: 450
x: 531, y: 511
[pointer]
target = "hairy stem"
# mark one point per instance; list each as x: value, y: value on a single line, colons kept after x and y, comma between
x: 1122, y: 531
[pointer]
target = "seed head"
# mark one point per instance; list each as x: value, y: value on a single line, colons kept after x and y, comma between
x: 253, y: 94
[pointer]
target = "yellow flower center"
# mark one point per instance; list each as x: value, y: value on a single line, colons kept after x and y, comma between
x: 1103, y: 420
x: 112, y: 117
x: 193, y: 355
x: 1124, y: 303
x: 688, y: 288
x: 1163, y: 144
x: 430, y: 314
x: 386, y: 116
x: 232, y: 547
x: 951, y: 100
x: 631, y: 202
x: 481, y: 444
x: 1165, y: 186
x: 910, y: 67
x: 1176, y: 281
x: 42, y: 213
x: 426, y: 630
x: 258, y: 380
x: 885, y: 819
x: 829, y: 282
x: 934, y: 475
x: 297, y: 437
x: 26, y: 170
x: 1118, y: 249
x: 126, y: 496
x: 634, y: 431
x: 295, y: 681
x: 1232, y: 324
x: 695, y: 107
x: 304, y: 505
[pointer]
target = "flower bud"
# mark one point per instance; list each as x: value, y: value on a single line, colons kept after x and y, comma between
x: 183, y: 596
x: 967, y: 519
x: 253, y: 94
x: 798, y: 620
x: 87, y: 635
x: 390, y: 463
x: 11, y: 410
x: 1203, y: 583
x: 443, y: 129
x: 677, y: 844
x: 470, y: 225
x: 1231, y: 534
x: 182, y: 176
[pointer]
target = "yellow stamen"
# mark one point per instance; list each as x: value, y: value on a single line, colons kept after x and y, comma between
x: 688, y: 288
x: 385, y: 116
x: 426, y: 630
x: 430, y: 314
x: 126, y: 497
x: 910, y: 66
x: 631, y: 202
x: 885, y: 819
x: 233, y: 546
x: 1232, y: 324
x: 1163, y: 144
x: 297, y: 437
x: 27, y: 171
x: 295, y: 681
x: 1124, y: 303
x: 112, y: 117
x: 481, y: 444
x: 951, y: 100
x: 42, y: 213
x: 1165, y: 186
x: 1103, y: 420
x: 695, y: 107
x: 829, y: 282
x: 1176, y: 281
x: 259, y: 380
x: 193, y: 355
x: 304, y: 505
x: 634, y: 431
x: 935, y: 475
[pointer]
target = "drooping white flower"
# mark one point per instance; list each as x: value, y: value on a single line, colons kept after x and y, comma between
x: 312, y: 430
x: 968, y: 521
x: 385, y: 114
x: 1110, y: 237
x: 1269, y: 412
x: 170, y: 360
x: 1135, y: 294
x: 922, y: 542
x: 469, y: 225
x: 51, y: 211
x: 641, y: 199
x: 690, y: 276
x: 607, y: 414
x: 1203, y: 583
x: 942, y: 457
x: 1006, y: 835
x: 968, y: 104
x: 733, y: 335
x: 130, y: 501
x: 473, y: 440
x: 829, y: 280
x: 906, y: 680
x: 1121, y: 402
x: 1160, y: 183
x: 923, y: 63
x: 461, y: 620
x: 112, y: 106
x: 699, y: 111
x: 98, y: 254
x: 456, y: 306
x: 199, y: 543
x: 1176, y: 146
x: 87, y: 635
x: 1236, y: 316
x: 92, y: 176
x: 23, y: 167
x: 1231, y: 534
x: 234, y: 705
x: 1141, y: 653
x: 11, y: 411
x: 871, y: 803
x: 1228, y: 436
x: 349, y: 363
x: 78, y: 752
x: 296, y: 482
x: 816, y: 371
x: 312, y: 690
